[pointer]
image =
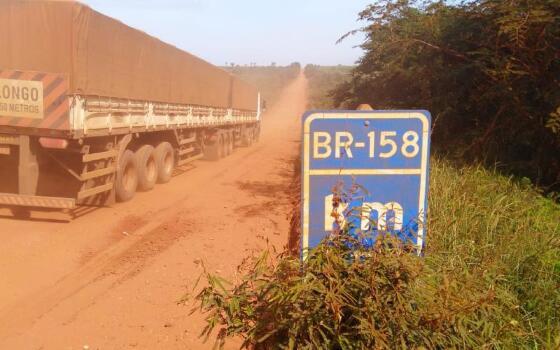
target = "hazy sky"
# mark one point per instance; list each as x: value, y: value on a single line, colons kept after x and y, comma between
x: 244, y: 31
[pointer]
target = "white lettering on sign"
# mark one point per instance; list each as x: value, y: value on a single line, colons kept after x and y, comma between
x: 410, y: 140
x: 331, y: 215
x: 321, y: 145
x: 382, y: 210
x: 344, y: 140
x: 387, y: 145
x: 21, y: 98
x: 367, y: 210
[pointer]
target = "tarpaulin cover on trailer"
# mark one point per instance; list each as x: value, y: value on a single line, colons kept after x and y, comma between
x: 104, y: 57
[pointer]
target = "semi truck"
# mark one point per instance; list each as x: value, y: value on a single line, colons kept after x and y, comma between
x: 92, y: 110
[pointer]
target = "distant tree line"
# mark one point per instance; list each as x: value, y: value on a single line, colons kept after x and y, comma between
x: 488, y: 70
x: 321, y: 80
x: 269, y: 80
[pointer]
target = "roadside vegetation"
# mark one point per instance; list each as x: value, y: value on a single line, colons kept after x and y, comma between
x: 490, y: 278
x: 270, y: 80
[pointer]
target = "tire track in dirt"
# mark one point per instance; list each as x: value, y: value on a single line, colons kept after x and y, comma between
x: 111, y: 267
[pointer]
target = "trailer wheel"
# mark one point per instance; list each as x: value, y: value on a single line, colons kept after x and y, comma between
x: 21, y: 213
x: 147, y: 167
x: 127, y: 177
x: 165, y: 160
x: 251, y: 136
x: 246, y: 139
x: 214, y: 150
x: 256, y: 134
x: 225, y: 145
x: 229, y: 143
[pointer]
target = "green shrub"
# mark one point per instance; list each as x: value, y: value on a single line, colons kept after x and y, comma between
x: 490, y: 278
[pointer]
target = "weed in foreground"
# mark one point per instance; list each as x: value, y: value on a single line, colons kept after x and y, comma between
x: 361, y: 298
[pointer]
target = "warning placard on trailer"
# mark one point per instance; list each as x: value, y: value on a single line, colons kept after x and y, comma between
x: 21, y: 98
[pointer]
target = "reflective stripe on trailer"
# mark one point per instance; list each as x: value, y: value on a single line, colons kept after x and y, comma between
x: 20, y: 200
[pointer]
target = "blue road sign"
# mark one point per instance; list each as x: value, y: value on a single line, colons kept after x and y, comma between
x: 383, y: 156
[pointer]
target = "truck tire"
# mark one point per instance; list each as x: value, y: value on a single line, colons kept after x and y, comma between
x: 165, y: 160
x: 214, y: 151
x: 147, y: 167
x: 21, y: 213
x: 251, y: 136
x: 230, y: 143
x: 246, y: 139
x: 127, y: 177
x: 225, y: 145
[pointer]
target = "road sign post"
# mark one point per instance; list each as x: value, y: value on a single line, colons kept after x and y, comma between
x: 385, y: 153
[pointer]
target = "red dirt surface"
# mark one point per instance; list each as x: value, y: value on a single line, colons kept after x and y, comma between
x: 111, y: 278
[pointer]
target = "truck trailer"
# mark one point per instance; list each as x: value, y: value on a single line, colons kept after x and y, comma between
x: 92, y: 110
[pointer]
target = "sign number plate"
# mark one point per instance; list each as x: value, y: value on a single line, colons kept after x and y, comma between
x: 384, y: 152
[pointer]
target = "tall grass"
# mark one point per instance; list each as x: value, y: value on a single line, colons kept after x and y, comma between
x: 502, y: 230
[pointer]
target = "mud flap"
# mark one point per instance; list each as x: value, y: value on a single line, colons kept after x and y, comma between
x: 28, y: 167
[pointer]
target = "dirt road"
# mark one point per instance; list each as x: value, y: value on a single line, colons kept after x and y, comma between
x: 111, y: 278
